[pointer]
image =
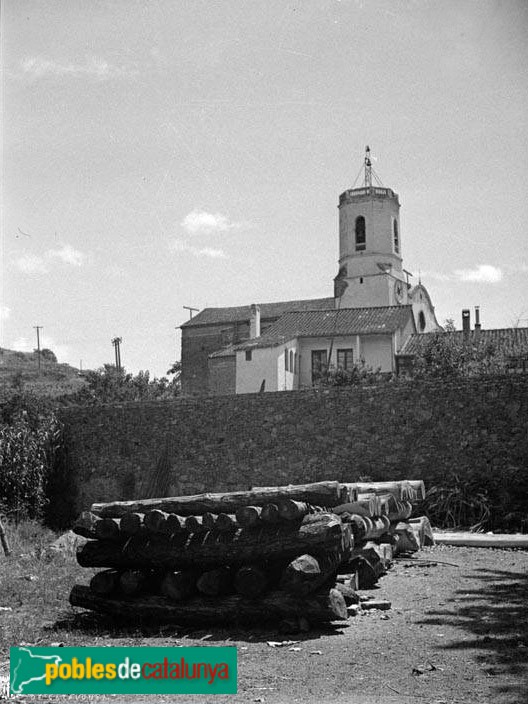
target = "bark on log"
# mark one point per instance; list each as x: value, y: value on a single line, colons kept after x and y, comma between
x: 215, y: 582
x: 131, y: 523
x: 132, y: 582
x: 105, y: 583
x: 363, y: 507
x: 401, y: 490
x: 248, y: 516
x: 274, y: 606
x: 107, y: 529
x: 290, y: 510
x: 307, y: 573
x: 156, y: 521
x: 320, y: 494
x: 178, y: 586
x: 194, y: 524
x: 209, y: 520
x: 270, y: 514
x: 225, y: 523
x: 211, y: 550
x: 251, y: 581
x: 175, y: 523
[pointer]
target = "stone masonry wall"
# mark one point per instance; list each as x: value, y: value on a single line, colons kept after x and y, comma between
x: 235, y: 442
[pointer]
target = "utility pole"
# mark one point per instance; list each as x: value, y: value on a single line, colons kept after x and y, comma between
x: 38, y: 328
x: 116, y: 342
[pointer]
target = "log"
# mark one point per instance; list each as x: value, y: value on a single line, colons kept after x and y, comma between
x: 175, y: 523
x: 3, y: 540
x: 419, y: 488
x: 211, y: 550
x: 272, y: 607
x: 215, y: 582
x: 422, y: 525
x: 270, y: 514
x: 248, y: 516
x: 368, y: 507
x: 107, y: 529
x: 85, y: 524
x: 131, y: 523
x: 132, y: 582
x: 290, y: 510
x: 307, y: 573
x: 401, y: 490
x: 482, y: 540
x: 156, y: 521
x: 226, y: 523
x: 209, y: 520
x: 194, y: 524
x: 105, y: 583
x: 251, y: 581
x: 320, y: 494
x: 178, y: 586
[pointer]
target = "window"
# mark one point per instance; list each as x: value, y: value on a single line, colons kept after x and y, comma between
x: 361, y: 237
x: 248, y: 355
x: 291, y: 362
x: 421, y: 321
x: 395, y: 234
x: 345, y: 358
x: 286, y: 359
x: 296, y: 363
x: 319, y: 363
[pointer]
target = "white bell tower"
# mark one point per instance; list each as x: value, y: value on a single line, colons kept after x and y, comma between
x: 370, y: 260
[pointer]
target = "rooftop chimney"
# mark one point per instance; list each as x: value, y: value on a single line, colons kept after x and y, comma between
x: 477, y: 317
x: 466, y: 321
x: 254, y: 321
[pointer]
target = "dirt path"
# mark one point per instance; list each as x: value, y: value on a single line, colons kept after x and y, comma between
x: 457, y: 633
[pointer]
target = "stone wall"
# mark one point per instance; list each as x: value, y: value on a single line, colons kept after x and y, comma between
x: 411, y: 430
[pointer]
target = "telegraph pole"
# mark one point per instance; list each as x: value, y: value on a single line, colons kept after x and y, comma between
x: 191, y: 311
x: 116, y: 342
x: 38, y: 328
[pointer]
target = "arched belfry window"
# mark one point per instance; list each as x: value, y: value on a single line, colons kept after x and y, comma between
x: 396, y: 236
x: 361, y: 237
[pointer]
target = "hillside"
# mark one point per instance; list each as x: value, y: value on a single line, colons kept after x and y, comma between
x: 20, y: 371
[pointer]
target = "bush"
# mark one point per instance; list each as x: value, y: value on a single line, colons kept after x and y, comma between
x: 30, y: 436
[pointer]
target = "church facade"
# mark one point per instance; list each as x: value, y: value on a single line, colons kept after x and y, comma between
x: 284, y: 346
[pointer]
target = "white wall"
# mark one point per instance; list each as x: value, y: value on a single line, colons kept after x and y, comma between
x: 267, y: 363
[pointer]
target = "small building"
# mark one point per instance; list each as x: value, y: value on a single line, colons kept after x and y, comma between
x: 277, y: 346
x: 293, y: 351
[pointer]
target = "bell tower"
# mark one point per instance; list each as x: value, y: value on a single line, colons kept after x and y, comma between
x: 370, y: 260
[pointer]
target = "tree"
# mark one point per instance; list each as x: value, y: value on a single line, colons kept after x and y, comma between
x: 109, y: 384
x: 359, y: 374
x: 446, y: 355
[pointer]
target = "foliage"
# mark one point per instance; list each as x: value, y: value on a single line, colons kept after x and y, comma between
x: 30, y: 437
x: 448, y: 356
x: 109, y: 385
x: 458, y: 504
x: 48, y: 355
x: 359, y: 374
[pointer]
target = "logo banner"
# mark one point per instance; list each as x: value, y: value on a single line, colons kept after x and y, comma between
x: 205, y: 670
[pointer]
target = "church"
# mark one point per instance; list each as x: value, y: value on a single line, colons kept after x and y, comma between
x: 284, y: 346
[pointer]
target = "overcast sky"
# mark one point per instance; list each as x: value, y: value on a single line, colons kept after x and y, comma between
x: 170, y: 153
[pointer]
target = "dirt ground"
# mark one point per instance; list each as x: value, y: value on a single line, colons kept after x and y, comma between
x: 457, y: 632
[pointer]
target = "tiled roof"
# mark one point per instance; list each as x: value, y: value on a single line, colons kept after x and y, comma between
x: 326, y: 323
x: 217, y: 316
x: 511, y: 341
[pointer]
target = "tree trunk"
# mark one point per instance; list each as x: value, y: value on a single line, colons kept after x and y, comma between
x: 274, y: 606
x: 107, y: 529
x: 85, y: 524
x: 225, y: 523
x: 132, y: 582
x: 319, y: 494
x: 194, y: 524
x: 211, y: 550
x: 156, y: 521
x: 175, y: 523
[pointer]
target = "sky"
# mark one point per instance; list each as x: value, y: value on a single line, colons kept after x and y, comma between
x: 167, y: 153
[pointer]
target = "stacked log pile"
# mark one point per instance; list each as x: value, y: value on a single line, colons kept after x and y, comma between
x: 268, y: 554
